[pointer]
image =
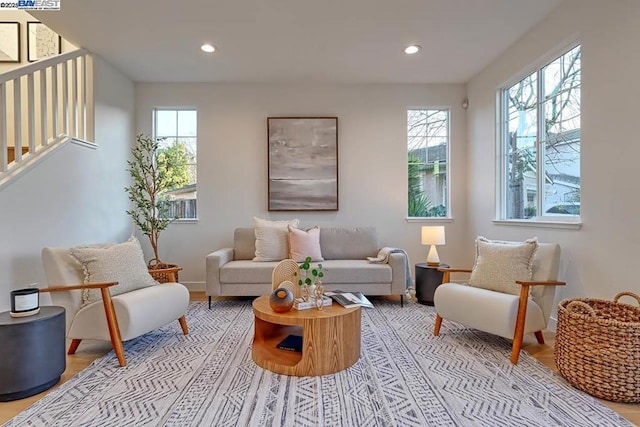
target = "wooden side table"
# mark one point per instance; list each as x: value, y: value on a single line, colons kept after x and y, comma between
x: 428, y: 278
x: 32, y: 356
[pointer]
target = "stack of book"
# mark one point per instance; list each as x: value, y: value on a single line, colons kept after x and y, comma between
x: 350, y: 299
x: 300, y: 304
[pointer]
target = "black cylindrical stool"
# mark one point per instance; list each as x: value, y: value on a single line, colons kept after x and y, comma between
x: 32, y: 355
x: 428, y: 278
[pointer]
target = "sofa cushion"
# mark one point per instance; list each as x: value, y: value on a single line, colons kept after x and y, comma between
x: 303, y: 244
x: 335, y: 271
x: 122, y: 263
x: 272, y: 239
x: 247, y: 271
x: 355, y: 271
x: 499, y: 264
x: 356, y: 243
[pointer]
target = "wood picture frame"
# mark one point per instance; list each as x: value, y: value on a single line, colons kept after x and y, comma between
x: 42, y: 41
x: 10, y: 41
x: 302, y: 163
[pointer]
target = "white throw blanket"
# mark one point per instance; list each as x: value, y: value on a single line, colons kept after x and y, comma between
x: 383, y: 258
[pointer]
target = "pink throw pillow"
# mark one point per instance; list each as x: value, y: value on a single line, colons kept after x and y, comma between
x: 303, y: 244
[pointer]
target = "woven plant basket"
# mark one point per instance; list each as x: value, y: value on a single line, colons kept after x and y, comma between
x: 597, y: 347
x: 162, y: 272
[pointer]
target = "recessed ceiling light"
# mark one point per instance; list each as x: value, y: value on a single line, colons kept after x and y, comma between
x: 209, y: 48
x: 411, y: 49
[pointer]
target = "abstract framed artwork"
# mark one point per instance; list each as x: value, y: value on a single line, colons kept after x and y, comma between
x: 42, y: 42
x: 303, y: 163
x: 9, y: 42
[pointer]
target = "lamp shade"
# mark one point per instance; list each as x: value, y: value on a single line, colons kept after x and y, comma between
x: 433, y: 235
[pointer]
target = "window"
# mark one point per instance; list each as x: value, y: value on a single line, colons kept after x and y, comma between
x: 427, y: 163
x: 540, y: 142
x: 176, y: 129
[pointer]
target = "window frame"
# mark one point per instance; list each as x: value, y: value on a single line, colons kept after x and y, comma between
x: 154, y: 133
x: 448, y: 216
x: 502, y: 135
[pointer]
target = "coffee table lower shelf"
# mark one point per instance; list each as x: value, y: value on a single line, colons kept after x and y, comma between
x: 330, y: 339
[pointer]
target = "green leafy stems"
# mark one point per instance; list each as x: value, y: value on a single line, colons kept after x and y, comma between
x: 311, y: 274
x: 150, y: 179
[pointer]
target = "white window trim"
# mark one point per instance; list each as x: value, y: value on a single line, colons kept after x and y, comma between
x: 428, y: 219
x: 548, y: 221
x: 449, y: 216
x: 154, y: 134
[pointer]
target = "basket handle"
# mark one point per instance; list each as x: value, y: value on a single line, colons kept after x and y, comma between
x: 631, y: 294
x: 579, y: 306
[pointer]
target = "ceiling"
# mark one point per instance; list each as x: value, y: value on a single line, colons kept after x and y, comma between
x: 350, y: 41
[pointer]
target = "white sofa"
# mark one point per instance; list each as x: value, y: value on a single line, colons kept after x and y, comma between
x: 231, y: 271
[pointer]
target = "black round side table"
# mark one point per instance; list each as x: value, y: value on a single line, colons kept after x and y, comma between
x: 32, y: 355
x: 428, y: 278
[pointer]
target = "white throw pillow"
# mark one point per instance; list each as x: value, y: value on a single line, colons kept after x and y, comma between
x: 272, y: 239
x: 122, y: 263
x: 499, y: 264
x: 303, y: 244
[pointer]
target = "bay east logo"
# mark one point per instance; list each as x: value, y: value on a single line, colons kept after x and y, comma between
x: 38, y: 4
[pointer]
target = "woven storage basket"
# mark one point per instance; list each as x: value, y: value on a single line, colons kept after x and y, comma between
x: 597, y: 347
x: 162, y: 275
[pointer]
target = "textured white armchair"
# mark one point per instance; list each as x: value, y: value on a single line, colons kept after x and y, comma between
x: 508, y: 315
x: 119, y: 318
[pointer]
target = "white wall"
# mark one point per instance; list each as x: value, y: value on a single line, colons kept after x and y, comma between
x: 72, y: 197
x: 232, y: 160
x: 597, y: 260
x: 23, y: 17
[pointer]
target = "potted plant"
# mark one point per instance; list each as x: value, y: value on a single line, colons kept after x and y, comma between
x: 150, y: 175
x: 312, y: 276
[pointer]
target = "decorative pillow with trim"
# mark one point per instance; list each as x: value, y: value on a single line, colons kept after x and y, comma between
x: 303, y: 244
x: 499, y: 264
x: 272, y: 239
x: 121, y: 262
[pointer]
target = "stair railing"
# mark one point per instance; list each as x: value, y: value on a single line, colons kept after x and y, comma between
x: 42, y: 104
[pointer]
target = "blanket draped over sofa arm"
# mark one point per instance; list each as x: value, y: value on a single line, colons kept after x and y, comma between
x: 384, y: 256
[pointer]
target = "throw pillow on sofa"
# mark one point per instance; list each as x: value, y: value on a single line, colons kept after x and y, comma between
x: 499, y: 264
x: 303, y: 244
x: 272, y: 239
x: 121, y: 262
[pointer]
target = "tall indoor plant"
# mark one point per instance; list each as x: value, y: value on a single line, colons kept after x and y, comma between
x: 150, y: 176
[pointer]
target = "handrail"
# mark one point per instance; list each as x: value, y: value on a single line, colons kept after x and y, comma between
x: 41, y: 64
x: 41, y: 102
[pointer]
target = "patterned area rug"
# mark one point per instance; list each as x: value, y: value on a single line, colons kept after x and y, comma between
x: 405, y: 377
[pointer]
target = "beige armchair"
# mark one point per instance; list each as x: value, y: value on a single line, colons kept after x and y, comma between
x: 504, y: 314
x: 113, y: 318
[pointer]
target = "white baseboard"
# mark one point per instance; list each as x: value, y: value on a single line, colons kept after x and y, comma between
x: 553, y: 323
x: 195, y: 286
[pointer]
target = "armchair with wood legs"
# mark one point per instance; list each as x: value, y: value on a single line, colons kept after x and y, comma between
x: 114, y: 318
x: 507, y: 315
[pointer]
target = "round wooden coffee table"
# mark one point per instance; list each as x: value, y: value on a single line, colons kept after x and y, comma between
x: 330, y: 339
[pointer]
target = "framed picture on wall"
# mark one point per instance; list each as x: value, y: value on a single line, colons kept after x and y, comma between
x: 9, y: 42
x: 302, y: 163
x: 42, y: 42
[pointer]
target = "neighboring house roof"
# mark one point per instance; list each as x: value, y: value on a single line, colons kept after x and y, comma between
x: 434, y: 153
x: 186, y: 189
x: 564, y: 137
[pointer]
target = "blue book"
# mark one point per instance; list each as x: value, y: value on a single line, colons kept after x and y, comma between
x: 291, y: 343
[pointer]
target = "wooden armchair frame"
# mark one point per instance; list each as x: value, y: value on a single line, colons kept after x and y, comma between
x: 518, y: 334
x: 110, y: 313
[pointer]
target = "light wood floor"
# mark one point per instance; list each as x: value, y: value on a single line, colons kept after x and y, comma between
x: 88, y: 353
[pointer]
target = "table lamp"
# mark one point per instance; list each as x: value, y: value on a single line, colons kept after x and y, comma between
x: 433, y: 235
